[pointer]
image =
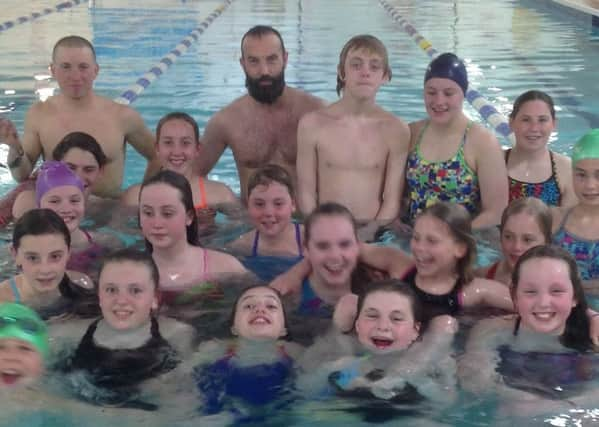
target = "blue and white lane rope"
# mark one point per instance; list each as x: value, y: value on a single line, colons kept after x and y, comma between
x: 475, y: 98
x: 131, y: 94
x: 35, y: 15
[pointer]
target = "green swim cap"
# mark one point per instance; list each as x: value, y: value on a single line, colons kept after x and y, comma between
x: 586, y: 147
x: 22, y: 323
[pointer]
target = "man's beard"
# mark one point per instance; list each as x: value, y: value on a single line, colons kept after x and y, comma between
x: 265, y: 94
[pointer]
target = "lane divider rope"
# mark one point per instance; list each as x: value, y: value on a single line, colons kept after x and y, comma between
x: 36, y: 15
x: 487, y: 110
x: 133, y: 92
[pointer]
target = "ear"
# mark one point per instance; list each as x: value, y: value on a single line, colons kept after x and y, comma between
x: 283, y: 333
x: 285, y: 58
x: 461, y: 250
x: 340, y: 73
x: 96, y: 70
x: 417, y: 326
x: 234, y: 331
x: 155, y: 303
x: 52, y: 69
x: 13, y: 252
x: 189, y: 218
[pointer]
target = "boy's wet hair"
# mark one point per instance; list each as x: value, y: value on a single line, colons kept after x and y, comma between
x: 459, y: 222
x: 73, y: 41
x: 179, y: 182
x: 328, y: 209
x: 82, y: 141
x: 535, y: 208
x: 259, y: 31
x: 178, y: 115
x: 362, y: 41
x: 134, y: 256
x: 39, y: 222
x: 532, y: 95
x: 269, y: 174
x: 577, y: 331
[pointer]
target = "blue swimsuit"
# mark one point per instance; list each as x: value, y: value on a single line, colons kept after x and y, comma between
x: 311, y: 304
x: 584, y: 251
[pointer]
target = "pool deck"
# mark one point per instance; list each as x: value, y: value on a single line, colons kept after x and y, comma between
x: 587, y: 6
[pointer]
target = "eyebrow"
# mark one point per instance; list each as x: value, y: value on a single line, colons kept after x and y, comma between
x: 256, y: 296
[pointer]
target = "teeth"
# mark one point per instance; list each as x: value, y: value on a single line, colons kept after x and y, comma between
x: 544, y: 316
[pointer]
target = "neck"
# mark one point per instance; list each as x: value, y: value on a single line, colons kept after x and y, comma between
x: 434, y: 280
x: 107, y: 336
x: 533, y: 155
x: 256, y: 351
x: 78, y: 103
x: 357, y: 106
x: 273, y: 241
x: 171, y: 253
x: 457, y: 124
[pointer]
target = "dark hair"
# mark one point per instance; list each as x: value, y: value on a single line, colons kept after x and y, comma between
x: 362, y: 41
x: 534, y: 207
x: 73, y: 41
x: 399, y: 287
x: 533, y: 95
x: 179, y: 182
x: 178, y: 115
x: 269, y: 174
x: 134, y: 256
x: 249, y: 288
x: 84, y: 142
x: 328, y: 209
x: 576, y: 332
x: 259, y: 31
x: 459, y: 222
x: 38, y: 222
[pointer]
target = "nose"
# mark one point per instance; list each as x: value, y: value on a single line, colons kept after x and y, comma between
x: 382, y: 324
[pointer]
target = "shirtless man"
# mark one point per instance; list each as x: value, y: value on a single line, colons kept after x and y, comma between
x: 260, y: 127
x: 353, y: 152
x: 78, y: 108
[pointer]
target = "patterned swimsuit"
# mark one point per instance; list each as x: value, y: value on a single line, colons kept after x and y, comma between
x: 548, y: 191
x: 584, y: 251
x: 449, y: 180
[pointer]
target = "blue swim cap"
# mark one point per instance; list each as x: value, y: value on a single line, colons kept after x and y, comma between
x: 448, y: 66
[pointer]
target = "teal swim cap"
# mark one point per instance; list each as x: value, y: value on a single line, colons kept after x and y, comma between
x: 22, y: 323
x: 586, y: 147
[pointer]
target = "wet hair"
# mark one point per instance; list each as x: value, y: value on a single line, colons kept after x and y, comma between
x: 328, y: 209
x: 134, y: 256
x: 576, y: 332
x: 459, y: 222
x: 268, y: 174
x: 178, y: 115
x: 362, y: 41
x: 532, y: 95
x: 398, y: 287
x: 82, y: 141
x: 259, y: 31
x: 178, y: 182
x: 533, y: 207
x: 256, y: 286
x: 73, y: 41
x: 39, y: 222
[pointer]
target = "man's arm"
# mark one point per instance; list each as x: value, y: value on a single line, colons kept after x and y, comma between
x: 142, y: 139
x: 213, y: 144
x: 398, y: 140
x: 22, y: 155
x: 306, y: 166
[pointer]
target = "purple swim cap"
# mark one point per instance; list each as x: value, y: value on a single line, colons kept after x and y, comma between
x: 54, y: 174
x: 448, y: 66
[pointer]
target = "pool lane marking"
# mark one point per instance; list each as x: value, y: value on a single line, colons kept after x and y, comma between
x: 475, y: 98
x: 132, y: 93
x: 35, y: 15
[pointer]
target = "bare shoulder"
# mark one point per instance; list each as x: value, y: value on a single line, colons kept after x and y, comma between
x: 6, y: 293
x: 244, y: 242
x: 304, y: 101
x: 489, y: 330
x: 222, y: 262
x: 481, y: 138
x: 415, y: 129
x: 562, y: 163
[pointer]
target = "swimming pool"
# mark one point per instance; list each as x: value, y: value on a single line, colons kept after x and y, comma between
x: 521, y: 45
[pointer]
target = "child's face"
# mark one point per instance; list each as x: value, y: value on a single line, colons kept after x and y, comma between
x: 67, y: 202
x: 43, y: 260
x: 533, y: 125
x: 162, y: 215
x: 127, y: 294
x: 85, y: 166
x: 259, y: 315
x: 332, y: 249
x: 586, y: 181
x: 270, y: 208
x: 520, y: 233
x: 544, y: 296
x: 20, y: 363
x: 177, y: 146
x: 364, y: 73
x: 386, y: 322
x: 443, y: 99
x: 434, y: 248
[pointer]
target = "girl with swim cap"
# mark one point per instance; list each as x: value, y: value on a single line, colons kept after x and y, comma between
x: 41, y: 247
x: 533, y: 169
x: 576, y: 229
x: 256, y: 367
x: 23, y: 345
x: 451, y: 158
x: 542, y: 356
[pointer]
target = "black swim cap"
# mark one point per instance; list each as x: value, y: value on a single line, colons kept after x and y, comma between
x: 448, y: 66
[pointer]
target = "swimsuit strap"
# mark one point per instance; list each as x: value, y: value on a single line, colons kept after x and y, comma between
x: 492, y: 271
x: 88, y: 236
x: 562, y: 224
x: 555, y: 177
x: 205, y: 258
x: 506, y: 155
x: 15, y: 290
x: 419, y: 139
x: 298, y: 239
x: 255, y: 244
x: 203, y: 200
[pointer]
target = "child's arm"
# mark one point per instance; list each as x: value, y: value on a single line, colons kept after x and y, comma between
x: 290, y: 282
x: 392, y: 260
x: 306, y: 166
x: 489, y: 293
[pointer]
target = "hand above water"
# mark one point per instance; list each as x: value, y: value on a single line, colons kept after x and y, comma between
x: 8, y: 133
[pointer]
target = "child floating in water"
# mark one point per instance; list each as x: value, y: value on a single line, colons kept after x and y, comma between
x: 256, y: 367
x: 542, y: 356
x: 23, y: 346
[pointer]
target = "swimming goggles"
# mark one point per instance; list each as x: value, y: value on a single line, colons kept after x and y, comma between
x: 28, y: 326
